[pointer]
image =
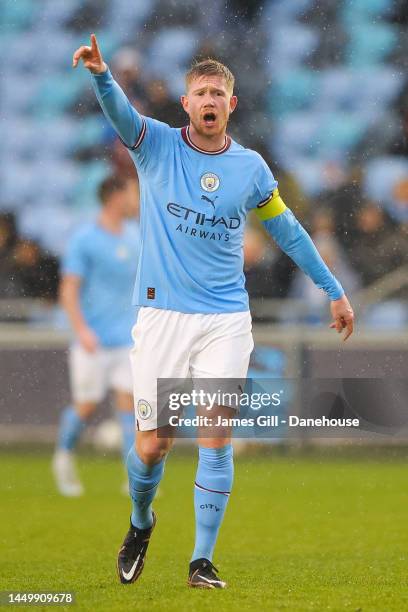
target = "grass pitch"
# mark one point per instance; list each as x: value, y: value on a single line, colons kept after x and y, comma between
x: 301, y: 533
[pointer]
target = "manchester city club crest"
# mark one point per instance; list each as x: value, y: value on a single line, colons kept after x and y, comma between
x: 144, y: 409
x: 210, y: 182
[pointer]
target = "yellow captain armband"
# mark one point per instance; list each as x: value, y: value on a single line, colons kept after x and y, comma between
x: 270, y: 208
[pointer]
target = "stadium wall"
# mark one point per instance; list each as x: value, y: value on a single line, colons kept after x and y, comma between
x: 373, y: 370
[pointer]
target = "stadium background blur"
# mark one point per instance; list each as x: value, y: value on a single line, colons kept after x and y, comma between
x: 323, y: 94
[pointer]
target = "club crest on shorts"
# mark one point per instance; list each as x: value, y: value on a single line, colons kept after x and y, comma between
x: 144, y: 409
x: 210, y: 182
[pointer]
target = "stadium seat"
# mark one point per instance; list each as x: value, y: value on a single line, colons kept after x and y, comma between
x: 348, y: 89
x: 60, y: 136
x: 290, y: 45
x: 38, y: 180
x: 20, y: 15
x: 172, y: 46
x: 84, y: 190
x: 16, y: 182
x: 340, y: 132
x: 309, y: 172
x: 19, y: 138
x: 284, y: 11
x: 18, y: 92
x: 131, y: 13
x: 92, y: 133
x: 56, y: 13
x: 33, y: 222
x: 364, y: 10
x: 320, y: 134
x: 56, y: 45
x: 56, y: 93
x: 54, y: 181
x: 296, y: 133
x: 370, y: 43
x: 292, y: 90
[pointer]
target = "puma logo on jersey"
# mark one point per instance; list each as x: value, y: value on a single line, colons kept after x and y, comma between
x: 207, y: 199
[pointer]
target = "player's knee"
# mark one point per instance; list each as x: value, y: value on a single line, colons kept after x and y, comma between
x: 153, y: 449
x: 85, y: 409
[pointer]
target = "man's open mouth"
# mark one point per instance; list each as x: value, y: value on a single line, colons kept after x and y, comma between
x: 209, y: 118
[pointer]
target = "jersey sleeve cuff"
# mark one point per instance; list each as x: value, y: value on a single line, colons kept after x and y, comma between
x: 336, y: 291
x: 102, y: 77
x: 139, y: 138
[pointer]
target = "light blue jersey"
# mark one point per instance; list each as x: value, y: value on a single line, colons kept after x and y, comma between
x: 194, y: 205
x: 106, y: 264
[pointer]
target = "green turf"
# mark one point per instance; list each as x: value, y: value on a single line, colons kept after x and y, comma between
x: 300, y: 534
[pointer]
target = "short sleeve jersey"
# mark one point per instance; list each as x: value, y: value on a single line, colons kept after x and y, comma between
x: 106, y: 264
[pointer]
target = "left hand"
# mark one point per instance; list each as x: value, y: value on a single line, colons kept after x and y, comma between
x: 343, y: 316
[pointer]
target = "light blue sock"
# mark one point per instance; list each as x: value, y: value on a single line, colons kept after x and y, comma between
x: 70, y: 428
x: 143, y: 483
x: 213, y: 485
x: 127, y: 423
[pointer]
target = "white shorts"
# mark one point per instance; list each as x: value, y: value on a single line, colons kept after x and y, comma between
x: 93, y: 374
x: 169, y: 344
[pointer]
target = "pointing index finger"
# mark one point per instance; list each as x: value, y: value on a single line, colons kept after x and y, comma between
x: 94, y: 44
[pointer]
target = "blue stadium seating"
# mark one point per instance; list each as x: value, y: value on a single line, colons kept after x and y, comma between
x: 317, y: 115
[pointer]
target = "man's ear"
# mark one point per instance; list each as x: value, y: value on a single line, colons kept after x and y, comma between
x: 233, y: 103
x: 184, y: 102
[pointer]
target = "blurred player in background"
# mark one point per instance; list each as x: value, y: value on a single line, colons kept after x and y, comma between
x: 98, y: 272
x: 197, y: 186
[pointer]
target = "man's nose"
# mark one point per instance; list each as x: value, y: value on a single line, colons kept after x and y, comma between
x: 208, y: 100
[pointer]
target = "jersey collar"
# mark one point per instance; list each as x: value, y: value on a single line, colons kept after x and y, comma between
x: 185, y: 132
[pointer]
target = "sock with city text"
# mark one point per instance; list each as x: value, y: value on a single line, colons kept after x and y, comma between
x: 212, y: 488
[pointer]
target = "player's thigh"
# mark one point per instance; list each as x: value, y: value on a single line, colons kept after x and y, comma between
x: 225, y: 350
x: 87, y: 375
x: 124, y: 401
x: 85, y: 409
x: 161, y: 350
x: 219, y: 370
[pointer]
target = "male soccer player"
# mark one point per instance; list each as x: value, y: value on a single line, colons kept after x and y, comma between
x: 98, y: 273
x: 197, y: 186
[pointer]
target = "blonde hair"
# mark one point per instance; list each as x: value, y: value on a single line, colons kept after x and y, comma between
x: 211, y: 67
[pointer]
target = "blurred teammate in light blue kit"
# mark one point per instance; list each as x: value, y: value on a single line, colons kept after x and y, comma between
x: 99, y: 268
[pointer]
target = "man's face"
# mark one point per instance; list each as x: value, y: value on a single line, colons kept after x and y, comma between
x: 209, y: 103
x: 120, y: 203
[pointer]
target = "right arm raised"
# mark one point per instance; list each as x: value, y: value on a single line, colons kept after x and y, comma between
x: 116, y: 107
